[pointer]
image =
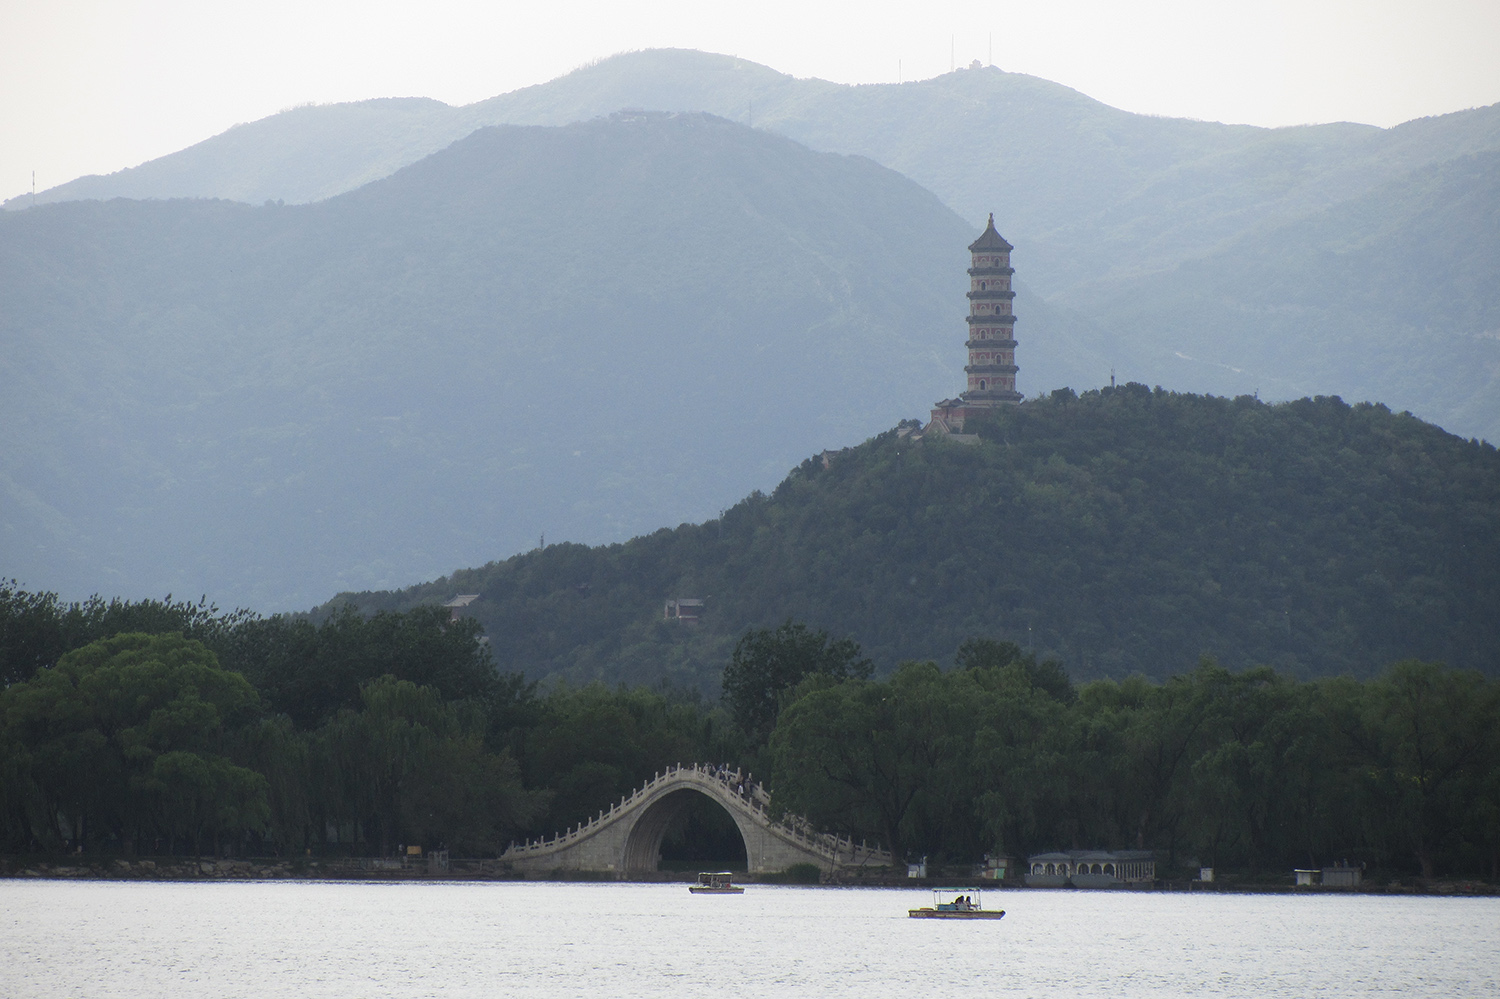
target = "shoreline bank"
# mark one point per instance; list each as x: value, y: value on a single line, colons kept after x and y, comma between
x: 364, y: 869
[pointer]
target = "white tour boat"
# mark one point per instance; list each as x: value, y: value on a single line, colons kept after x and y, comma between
x: 718, y: 883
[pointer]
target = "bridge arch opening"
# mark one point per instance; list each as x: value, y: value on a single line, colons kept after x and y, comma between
x: 686, y: 830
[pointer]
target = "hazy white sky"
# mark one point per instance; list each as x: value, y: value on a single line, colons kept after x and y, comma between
x: 90, y: 86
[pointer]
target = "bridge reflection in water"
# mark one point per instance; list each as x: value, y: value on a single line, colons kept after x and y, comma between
x: 627, y: 838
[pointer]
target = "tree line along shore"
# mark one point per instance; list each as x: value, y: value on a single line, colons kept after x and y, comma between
x: 160, y: 729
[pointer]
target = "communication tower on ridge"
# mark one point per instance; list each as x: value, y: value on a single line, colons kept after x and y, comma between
x: 992, y: 337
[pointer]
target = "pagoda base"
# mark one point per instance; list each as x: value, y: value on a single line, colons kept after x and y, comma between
x: 949, y: 416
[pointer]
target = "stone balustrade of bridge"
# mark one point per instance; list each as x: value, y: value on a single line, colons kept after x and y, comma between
x: 626, y: 839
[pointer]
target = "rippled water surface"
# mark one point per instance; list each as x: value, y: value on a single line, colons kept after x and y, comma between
x: 272, y: 939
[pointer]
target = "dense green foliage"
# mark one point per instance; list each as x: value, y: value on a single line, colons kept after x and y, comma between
x: 353, y: 734
x: 304, y: 670
x: 410, y: 766
x: 131, y: 737
x: 145, y: 743
x: 310, y: 672
x: 1245, y: 770
x: 767, y: 662
x: 1120, y: 531
x: 37, y: 628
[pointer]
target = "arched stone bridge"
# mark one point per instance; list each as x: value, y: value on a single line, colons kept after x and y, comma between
x: 627, y: 838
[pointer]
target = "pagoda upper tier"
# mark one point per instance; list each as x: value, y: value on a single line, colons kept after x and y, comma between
x: 991, y: 241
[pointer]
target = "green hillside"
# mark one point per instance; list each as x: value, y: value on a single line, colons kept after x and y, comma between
x: 583, y: 332
x: 1120, y: 531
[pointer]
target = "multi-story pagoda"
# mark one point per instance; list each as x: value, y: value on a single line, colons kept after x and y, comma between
x: 992, y: 340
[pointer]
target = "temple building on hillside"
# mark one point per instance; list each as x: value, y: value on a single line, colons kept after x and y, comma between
x: 992, y: 337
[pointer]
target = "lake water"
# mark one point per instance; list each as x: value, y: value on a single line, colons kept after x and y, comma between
x: 299, y: 939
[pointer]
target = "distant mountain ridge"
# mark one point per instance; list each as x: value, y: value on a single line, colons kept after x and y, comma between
x: 1056, y: 166
x: 1397, y: 291
x: 1104, y: 206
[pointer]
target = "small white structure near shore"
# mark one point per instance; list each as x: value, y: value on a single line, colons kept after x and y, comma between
x: 1338, y: 876
x: 1341, y: 876
x: 1090, y: 868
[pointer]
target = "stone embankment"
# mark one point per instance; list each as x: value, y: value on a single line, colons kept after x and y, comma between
x: 159, y: 869
x: 321, y: 869
x: 374, y: 869
x: 253, y: 869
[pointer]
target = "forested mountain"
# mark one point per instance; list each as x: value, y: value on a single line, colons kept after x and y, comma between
x: 1115, y: 215
x: 585, y: 332
x: 1121, y: 531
